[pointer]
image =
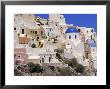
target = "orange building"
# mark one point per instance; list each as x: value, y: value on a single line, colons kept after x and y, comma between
x: 23, y: 40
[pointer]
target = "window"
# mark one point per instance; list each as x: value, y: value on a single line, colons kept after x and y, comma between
x: 14, y: 28
x: 35, y: 32
x: 50, y: 29
x: 91, y: 36
x: 87, y: 55
x: 31, y: 32
x: 79, y: 30
x: 22, y: 31
x: 87, y: 31
x: 41, y: 32
x: 92, y: 31
x: 69, y: 37
x: 38, y: 24
x: 40, y: 61
x: 49, y: 59
x: 43, y: 60
x: 38, y: 39
x: 19, y: 56
x: 75, y: 36
x: 56, y: 24
x: 47, y: 22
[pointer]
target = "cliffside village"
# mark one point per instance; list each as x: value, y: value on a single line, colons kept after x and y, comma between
x: 39, y: 40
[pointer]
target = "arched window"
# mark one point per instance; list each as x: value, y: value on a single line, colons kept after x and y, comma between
x: 22, y: 31
x: 49, y: 59
x: 61, y: 17
x: 61, y: 27
x: 35, y: 32
x: 38, y: 39
x: 75, y: 36
x: 14, y: 28
x: 79, y: 30
x: 40, y: 61
x: 69, y: 37
x: 43, y: 60
x: 91, y: 36
x: 19, y: 56
x: 50, y: 29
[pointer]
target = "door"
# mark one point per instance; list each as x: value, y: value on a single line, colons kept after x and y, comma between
x: 37, y: 38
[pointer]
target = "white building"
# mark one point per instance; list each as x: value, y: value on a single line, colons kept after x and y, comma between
x: 74, y: 46
x: 49, y: 58
x: 58, y: 21
x: 49, y: 31
x: 57, y: 18
x: 93, y: 46
x: 72, y: 34
x: 88, y: 32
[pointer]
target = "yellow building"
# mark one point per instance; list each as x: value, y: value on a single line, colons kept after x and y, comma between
x: 37, y: 33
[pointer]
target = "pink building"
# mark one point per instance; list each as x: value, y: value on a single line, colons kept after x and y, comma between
x: 20, y: 56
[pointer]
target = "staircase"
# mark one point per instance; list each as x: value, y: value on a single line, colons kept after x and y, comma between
x: 47, y: 71
x: 70, y: 68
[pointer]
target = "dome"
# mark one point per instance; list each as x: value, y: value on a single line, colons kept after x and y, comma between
x: 71, y: 30
x: 92, y: 43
